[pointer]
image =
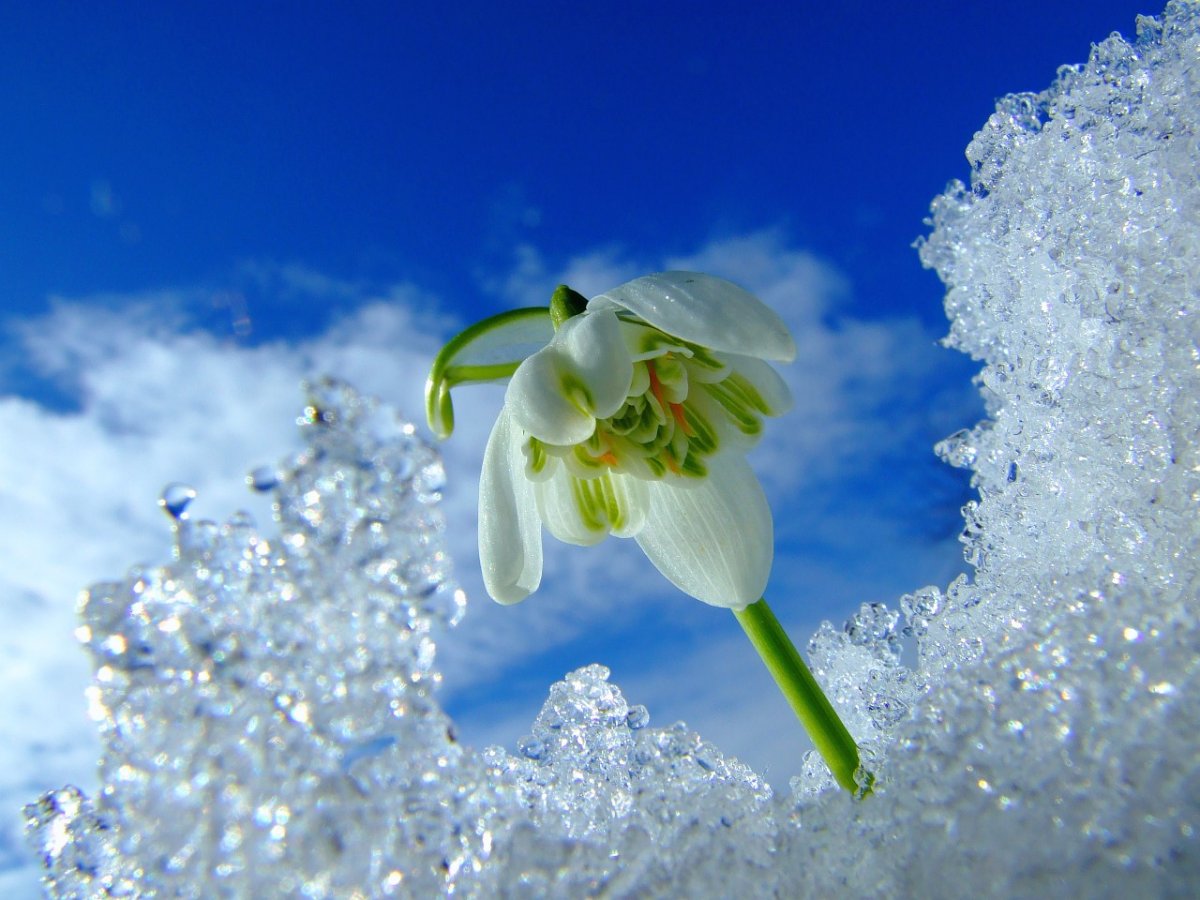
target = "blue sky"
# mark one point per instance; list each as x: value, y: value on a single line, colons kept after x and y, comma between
x: 202, y: 204
x: 162, y: 143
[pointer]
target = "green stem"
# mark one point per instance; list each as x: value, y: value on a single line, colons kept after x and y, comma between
x: 807, y: 700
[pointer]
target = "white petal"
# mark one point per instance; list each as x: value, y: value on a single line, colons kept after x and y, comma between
x: 598, y: 355
x: 584, y: 511
x: 584, y: 374
x: 715, y: 541
x: 510, y: 533
x: 537, y: 401
x: 704, y: 310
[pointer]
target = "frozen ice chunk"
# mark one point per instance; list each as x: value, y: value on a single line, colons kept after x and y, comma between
x: 78, y: 858
x: 592, y: 765
x: 627, y: 804
x: 265, y: 707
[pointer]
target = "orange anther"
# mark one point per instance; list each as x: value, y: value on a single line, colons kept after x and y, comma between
x: 677, y: 412
x: 655, y: 384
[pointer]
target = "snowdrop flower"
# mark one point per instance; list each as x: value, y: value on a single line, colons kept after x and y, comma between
x: 629, y: 415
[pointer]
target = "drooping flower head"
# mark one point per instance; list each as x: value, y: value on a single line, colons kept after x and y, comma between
x: 629, y: 415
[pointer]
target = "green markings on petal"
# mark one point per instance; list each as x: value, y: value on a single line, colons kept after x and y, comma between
x: 586, y: 505
x: 703, y: 436
x: 747, y: 392
x: 656, y: 465
x: 490, y: 350
x: 658, y: 431
x: 599, y: 508
x: 576, y: 390
x: 648, y: 427
x: 645, y: 342
x: 536, y: 460
x: 613, y: 510
x: 704, y: 361
x: 738, y: 404
x: 628, y: 417
x: 584, y: 462
x: 693, y: 467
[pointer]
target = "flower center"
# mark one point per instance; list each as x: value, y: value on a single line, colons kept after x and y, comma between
x: 680, y: 403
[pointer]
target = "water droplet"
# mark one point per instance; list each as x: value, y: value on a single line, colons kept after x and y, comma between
x: 531, y: 747
x: 637, y: 717
x: 959, y: 449
x: 924, y: 603
x: 264, y: 478
x: 430, y: 482
x: 175, y: 499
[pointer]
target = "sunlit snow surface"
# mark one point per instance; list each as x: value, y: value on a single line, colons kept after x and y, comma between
x: 268, y: 714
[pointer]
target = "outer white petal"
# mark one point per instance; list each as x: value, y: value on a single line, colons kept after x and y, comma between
x: 704, y: 310
x: 584, y: 374
x: 559, y: 507
x: 510, y: 532
x: 715, y: 541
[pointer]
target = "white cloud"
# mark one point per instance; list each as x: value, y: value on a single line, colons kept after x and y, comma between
x: 160, y: 399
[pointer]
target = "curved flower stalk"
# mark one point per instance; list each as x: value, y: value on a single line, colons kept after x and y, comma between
x: 630, y: 415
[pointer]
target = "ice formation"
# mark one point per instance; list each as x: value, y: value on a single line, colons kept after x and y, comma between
x: 269, y: 727
x: 267, y: 710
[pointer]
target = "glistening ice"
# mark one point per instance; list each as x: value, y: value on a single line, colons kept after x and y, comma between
x: 268, y: 709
